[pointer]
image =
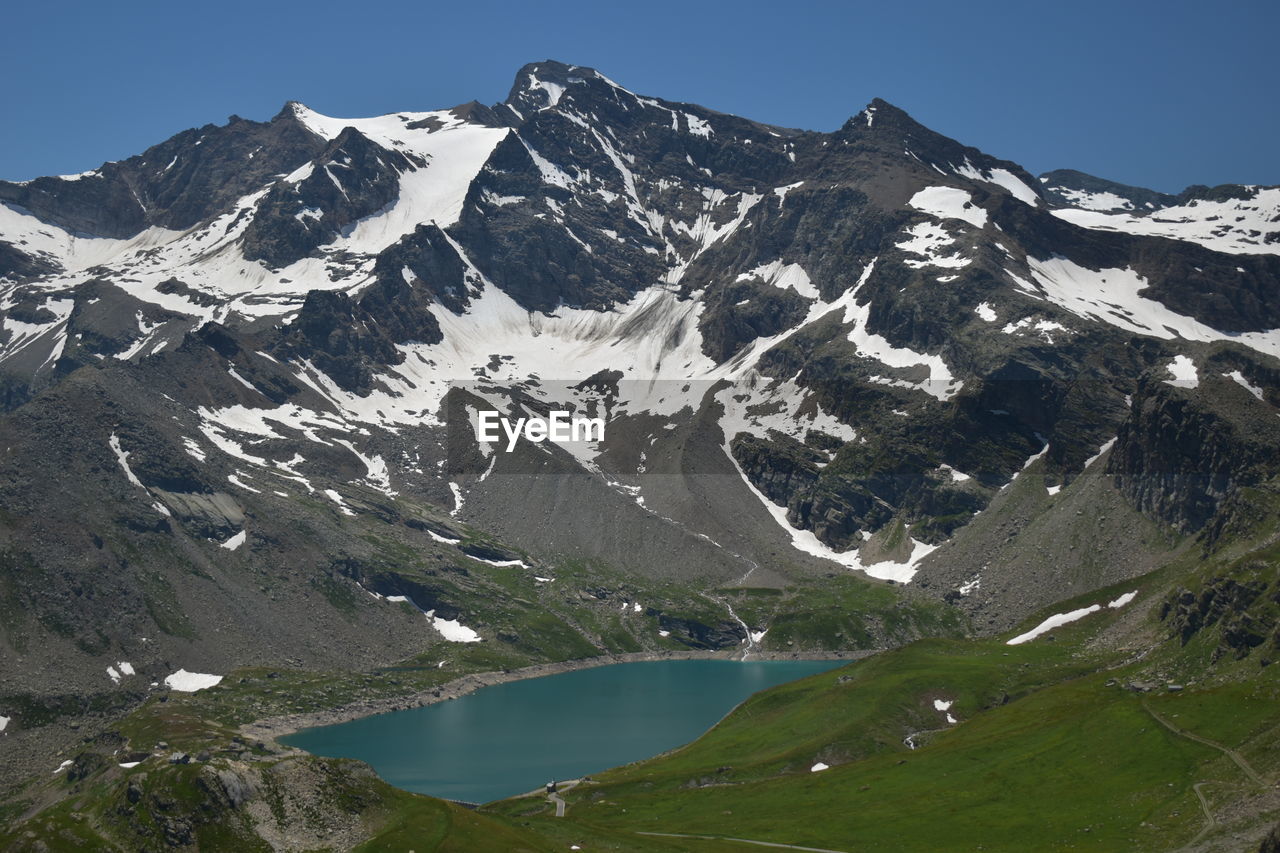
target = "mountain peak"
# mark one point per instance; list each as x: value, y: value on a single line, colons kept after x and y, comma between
x: 540, y: 85
x: 291, y: 110
x: 882, y: 112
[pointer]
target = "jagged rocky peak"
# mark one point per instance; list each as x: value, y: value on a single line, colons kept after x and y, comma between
x: 176, y: 184
x: 541, y: 85
x: 889, y: 116
x: 294, y: 110
x: 475, y: 112
x: 895, y: 134
x: 351, y: 178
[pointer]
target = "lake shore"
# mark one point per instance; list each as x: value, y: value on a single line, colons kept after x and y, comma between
x: 270, y: 728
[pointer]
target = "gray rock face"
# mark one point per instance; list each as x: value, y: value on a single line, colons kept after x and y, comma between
x: 349, y: 339
x: 17, y: 265
x: 780, y: 467
x: 216, y: 515
x: 350, y: 179
x: 229, y: 787
x: 176, y: 184
x: 698, y: 635
x: 1224, y: 603
x: 1182, y: 453
x: 434, y: 265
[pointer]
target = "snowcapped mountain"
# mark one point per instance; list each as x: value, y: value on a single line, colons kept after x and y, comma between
x: 239, y: 358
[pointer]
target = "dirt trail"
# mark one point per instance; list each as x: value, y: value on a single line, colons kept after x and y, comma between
x: 741, y: 841
x: 1230, y: 753
x: 1210, y: 822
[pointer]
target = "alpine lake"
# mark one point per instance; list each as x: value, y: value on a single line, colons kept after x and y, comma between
x: 511, y: 738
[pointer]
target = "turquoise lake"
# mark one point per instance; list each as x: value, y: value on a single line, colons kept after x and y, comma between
x: 511, y: 738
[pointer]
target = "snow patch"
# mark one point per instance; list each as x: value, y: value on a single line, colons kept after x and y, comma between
x: 1044, y: 328
x: 1184, y: 372
x: 1114, y: 296
x: 697, y: 126
x: 337, y: 498
x: 1054, y: 621
x: 1001, y: 178
x: 122, y: 456
x: 454, y: 152
x: 949, y: 203
x: 553, y: 91
x: 783, y: 276
x: 928, y: 239
x: 502, y: 564
x: 1101, y: 450
x: 1234, y: 226
x: 189, y: 682
x: 781, y: 192
x: 1033, y: 457
x: 237, y: 377
x: 1244, y: 383
x: 235, y: 481
x: 1060, y: 619
x: 1101, y: 201
x: 1122, y: 600
x: 194, y: 450
x: 453, y: 630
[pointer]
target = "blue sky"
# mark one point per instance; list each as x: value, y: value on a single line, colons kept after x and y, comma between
x: 1160, y: 94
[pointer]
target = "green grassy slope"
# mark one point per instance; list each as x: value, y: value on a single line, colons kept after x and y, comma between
x: 1099, y: 735
x: 1073, y: 764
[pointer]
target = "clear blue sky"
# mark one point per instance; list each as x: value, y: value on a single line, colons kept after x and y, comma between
x: 1160, y: 94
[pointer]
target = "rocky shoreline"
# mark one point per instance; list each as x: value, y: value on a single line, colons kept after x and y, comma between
x: 270, y: 728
